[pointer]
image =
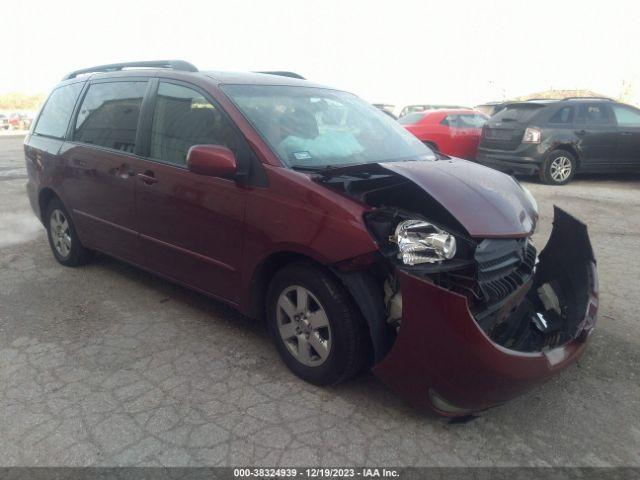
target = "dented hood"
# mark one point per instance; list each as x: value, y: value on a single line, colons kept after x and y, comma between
x: 487, y: 203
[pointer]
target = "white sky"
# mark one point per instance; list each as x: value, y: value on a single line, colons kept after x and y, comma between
x: 385, y: 51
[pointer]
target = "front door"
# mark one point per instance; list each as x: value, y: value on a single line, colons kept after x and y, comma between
x: 191, y: 226
x: 597, y: 135
x: 99, y: 158
x: 628, y: 120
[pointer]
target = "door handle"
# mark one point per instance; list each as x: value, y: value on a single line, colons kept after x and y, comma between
x: 625, y: 133
x: 79, y: 162
x: 148, y: 177
x: 581, y: 132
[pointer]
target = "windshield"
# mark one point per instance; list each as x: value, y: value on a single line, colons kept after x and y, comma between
x: 318, y: 128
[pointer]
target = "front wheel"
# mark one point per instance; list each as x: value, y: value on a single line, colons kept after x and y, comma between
x: 558, y: 168
x: 317, y: 329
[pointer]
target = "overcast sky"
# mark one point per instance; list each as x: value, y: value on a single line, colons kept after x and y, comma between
x: 389, y: 51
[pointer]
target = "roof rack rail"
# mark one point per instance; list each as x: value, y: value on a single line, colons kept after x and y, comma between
x: 540, y: 99
x: 588, y: 98
x: 285, y: 74
x: 114, y: 67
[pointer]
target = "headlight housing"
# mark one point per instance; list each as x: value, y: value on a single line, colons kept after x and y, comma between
x: 422, y: 242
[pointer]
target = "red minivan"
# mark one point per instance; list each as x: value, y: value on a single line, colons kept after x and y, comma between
x: 307, y: 207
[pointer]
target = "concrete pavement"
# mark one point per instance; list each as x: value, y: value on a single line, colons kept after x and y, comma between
x: 108, y: 365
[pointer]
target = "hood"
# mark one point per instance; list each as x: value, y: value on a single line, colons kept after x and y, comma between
x: 485, y: 202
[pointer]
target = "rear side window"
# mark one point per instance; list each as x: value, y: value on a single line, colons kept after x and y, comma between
x: 626, y: 116
x: 109, y: 115
x: 517, y: 113
x: 55, y: 116
x: 563, y: 116
x: 592, y: 114
x: 183, y: 118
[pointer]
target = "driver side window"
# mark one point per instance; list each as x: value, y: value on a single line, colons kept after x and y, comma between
x: 182, y: 118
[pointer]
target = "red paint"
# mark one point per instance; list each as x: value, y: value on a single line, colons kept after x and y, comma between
x: 212, y: 160
x: 446, y: 350
x: 453, y: 141
x: 487, y: 205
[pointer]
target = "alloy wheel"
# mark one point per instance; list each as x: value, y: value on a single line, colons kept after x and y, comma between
x: 560, y: 168
x: 60, y: 233
x: 303, y: 326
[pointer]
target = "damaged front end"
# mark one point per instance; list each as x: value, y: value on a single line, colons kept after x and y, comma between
x: 465, y: 331
x: 456, y: 356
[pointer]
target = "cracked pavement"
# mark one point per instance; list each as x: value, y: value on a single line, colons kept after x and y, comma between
x: 109, y: 365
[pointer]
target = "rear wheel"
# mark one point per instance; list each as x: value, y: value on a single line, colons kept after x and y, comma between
x: 63, y: 239
x: 317, y: 330
x: 558, y: 168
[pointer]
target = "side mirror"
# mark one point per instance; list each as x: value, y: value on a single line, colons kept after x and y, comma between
x: 211, y: 160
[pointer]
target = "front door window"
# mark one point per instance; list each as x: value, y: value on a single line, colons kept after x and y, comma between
x: 183, y: 118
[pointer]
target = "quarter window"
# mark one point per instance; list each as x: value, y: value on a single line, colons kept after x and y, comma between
x: 55, y: 116
x: 183, y: 118
x: 562, y: 116
x: 626, y: 116
x: 109, y: 115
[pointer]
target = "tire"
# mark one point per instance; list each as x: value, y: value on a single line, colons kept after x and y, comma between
x: 345, y: 340
x: 63, y: 239
x: 554, y: 169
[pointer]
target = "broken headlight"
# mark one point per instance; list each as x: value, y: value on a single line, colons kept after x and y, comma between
x: 422, y: 242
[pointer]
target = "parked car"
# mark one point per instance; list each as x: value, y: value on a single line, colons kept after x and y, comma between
x: 422, y: 107
x: 4, y: 122
x: 19, y: 121
x: 311, y: 209
x: 557, y: 139
x: 452, y: 132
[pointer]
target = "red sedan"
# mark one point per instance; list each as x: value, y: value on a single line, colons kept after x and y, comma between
x: 452, y: 132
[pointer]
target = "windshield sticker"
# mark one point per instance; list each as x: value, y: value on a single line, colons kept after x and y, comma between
x: 302, y: 155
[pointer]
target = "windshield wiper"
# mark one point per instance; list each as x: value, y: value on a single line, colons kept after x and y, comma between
x: 310, y: 168
x: 326, y: 168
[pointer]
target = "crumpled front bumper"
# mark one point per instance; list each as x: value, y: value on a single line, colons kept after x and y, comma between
x: 443, y: 360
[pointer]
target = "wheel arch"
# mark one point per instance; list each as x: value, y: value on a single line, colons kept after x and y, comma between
x: 569, y: 148
x: 360, y: 285
x: 263, y: 274
x: 45, y: 196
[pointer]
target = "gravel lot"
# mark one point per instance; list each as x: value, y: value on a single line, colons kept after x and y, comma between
x: 108, y: 365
